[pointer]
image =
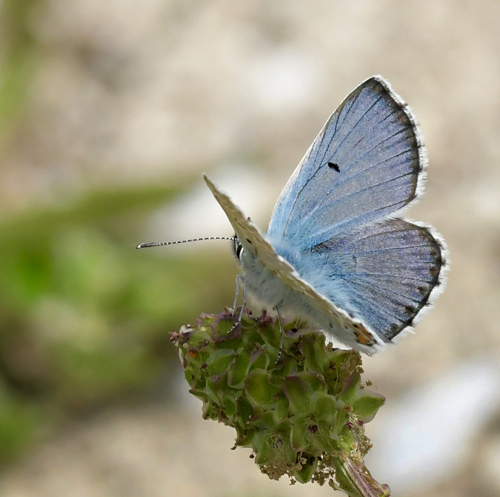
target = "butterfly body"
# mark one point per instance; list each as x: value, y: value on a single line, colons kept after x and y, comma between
x: 337, y: 252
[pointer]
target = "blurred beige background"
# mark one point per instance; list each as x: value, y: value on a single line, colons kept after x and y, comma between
x: 124, y: 96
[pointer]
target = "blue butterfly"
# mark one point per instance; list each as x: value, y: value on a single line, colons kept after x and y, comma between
x: 337, y: 251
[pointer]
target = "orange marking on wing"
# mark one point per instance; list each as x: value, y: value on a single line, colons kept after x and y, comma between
x: 363, y: 336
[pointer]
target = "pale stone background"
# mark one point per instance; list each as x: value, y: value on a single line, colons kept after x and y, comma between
x: 146, y: 91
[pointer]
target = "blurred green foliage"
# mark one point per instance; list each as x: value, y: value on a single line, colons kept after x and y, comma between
x: 17, y: 58
x: 84, y: 317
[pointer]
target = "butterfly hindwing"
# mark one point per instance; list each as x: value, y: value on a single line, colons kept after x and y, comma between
x: 367, y: 162
x: 388, y: 271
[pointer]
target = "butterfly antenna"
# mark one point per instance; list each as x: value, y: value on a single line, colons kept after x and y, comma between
x: 161, y: 244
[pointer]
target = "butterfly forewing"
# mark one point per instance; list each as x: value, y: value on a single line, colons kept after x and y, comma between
x: 366, y: 163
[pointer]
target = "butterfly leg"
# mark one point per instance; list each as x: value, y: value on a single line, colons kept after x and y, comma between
x: 236, y: 292
x: 244, y: 303
x: 282, y: 333
x: 240, y: 281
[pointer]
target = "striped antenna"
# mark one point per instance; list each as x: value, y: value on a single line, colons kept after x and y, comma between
x: 161, y: 244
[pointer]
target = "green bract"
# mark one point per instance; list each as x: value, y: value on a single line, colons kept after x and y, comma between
x: 302, y: 414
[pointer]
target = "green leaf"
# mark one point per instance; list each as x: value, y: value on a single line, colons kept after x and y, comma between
x: 314, y: 353
x: 219, y: 361
x: 351, y: 388
x: 238, y: 371
x: 200, y: 394
x: 315, y: 381
x: 265, y: 420
x: 264, y: 451
x: 229, y: 403
x: 298, y: 436
x: 367, y: 405
x: 324, y: 406
x: 298, y: 393
x: 245, y: 410
x: 259, y: 360
x: 340, y: 422
x: 271, y: 335
x: 259, y: 391
x: 281, y: 408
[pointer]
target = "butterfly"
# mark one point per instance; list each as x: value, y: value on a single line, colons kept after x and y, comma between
x: 337, y: 252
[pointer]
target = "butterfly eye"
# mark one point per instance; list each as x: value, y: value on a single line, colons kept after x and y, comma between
x: 237, y: 247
